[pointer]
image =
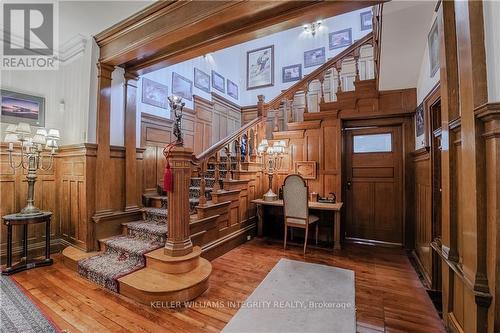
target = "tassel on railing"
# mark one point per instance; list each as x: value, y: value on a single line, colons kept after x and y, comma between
x: 168, y: 177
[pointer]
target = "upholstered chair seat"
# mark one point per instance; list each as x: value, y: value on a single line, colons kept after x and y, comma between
x: 312, y: 219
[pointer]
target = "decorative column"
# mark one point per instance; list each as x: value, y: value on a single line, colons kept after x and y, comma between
x: 131, y: 190
x: 178, y: 238
x: 103, y: 189
x: 338, y: 68
x: 306, y: 91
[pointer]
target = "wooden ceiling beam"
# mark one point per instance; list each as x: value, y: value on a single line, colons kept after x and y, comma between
x: 170, y: 32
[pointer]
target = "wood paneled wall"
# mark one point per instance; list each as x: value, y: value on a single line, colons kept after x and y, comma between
x: 470, y: 174
x: 423, y: 212
x: 226, y: 117
x: 67, y: 190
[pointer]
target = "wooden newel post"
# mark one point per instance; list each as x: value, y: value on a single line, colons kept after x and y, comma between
x: 261, y: 110
x: 179, y: 236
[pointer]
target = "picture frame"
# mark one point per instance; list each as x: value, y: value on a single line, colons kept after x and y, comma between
x: 291, y: 73
x: 201, y: 80
x: 314, y: 57
x: 366, y: 20
x: 340, y: 38
x: 182, y: 86
x: 18, y: 107
x: 232, y: 89
x: 419, y: 120
x: 306, y: 169
x: 433, y: 45
x: 260, y: 67
x: 218, y: 82
x: 154, y: 93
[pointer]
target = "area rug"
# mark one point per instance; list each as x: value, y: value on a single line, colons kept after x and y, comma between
x: 299, y: 297
x: 18, y: 313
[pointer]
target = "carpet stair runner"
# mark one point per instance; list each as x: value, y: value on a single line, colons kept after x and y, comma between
x: 124, y: 254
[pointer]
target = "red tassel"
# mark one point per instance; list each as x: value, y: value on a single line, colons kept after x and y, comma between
x: 168, y: 179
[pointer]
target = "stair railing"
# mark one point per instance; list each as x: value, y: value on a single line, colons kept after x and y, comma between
x: 333, y: 65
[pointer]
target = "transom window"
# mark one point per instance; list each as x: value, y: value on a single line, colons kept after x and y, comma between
x: 372, y: 143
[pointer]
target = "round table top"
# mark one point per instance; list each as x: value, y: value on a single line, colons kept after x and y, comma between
x: 13, y: 218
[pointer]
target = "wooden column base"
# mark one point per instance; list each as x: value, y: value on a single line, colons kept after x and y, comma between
x: 168, y: 280
x: 178, y: 248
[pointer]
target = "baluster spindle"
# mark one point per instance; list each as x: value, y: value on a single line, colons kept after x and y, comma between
x: 306, y: 91
x: 216, y: 173
x: 322, y: 91
x: 255, y: 142
x: 228, y: 161
x: 203, y: 198
x: 237, y: 145
x: 247, y: 146
x: 356, y: 62
x: 338, y: 68
x: 276, y: 125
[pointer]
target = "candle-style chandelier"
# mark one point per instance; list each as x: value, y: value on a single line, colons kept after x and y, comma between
x: 33, y: 154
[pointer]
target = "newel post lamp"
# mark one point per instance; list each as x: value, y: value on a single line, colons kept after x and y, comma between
x: 31, y: 156
x: 273, y: 156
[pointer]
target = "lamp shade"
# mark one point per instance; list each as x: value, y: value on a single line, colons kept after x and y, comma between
x: 264, y: 142
x: 11, y: 128
x: 41, y: 131
x: 23, y: 129
x: 11, y: 137
x: 54, y: 134
x: 51, y: 143
x: 39, y: 139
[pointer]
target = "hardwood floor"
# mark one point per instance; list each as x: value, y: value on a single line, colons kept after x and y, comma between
x: 389, y: 296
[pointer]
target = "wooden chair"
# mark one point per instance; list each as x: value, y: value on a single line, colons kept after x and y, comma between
x: 295, y: 204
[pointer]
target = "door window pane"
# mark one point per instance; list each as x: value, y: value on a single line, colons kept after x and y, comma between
x: 372, y: 143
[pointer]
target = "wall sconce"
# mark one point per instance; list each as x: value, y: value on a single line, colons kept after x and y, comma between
x: 312, y: 28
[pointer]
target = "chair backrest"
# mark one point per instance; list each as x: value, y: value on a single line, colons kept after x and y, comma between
x: 295, y: 197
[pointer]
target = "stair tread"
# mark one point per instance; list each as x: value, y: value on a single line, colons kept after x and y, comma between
x: 154, y: 210
x: 153, y: 281
x: 130, y: 244
x: 150, y: 227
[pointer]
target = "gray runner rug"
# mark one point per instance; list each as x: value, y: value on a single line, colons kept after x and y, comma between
x: 18, y: 313
x: 299, y: 297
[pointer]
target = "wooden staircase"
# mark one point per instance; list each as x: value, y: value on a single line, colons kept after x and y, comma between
x: 224, y: 180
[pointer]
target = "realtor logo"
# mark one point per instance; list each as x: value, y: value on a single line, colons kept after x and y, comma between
x: 29, y: 36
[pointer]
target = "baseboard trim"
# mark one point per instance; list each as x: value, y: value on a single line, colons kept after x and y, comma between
x: 34, y: 250
x: 224, y: 244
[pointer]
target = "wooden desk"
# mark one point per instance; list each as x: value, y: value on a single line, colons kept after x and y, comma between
x: 335, y: 208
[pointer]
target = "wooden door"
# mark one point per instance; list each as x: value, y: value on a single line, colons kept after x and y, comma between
x: 374, y: 184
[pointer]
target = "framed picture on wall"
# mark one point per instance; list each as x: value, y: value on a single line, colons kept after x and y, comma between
x: 340, y: 38
x: 182, y: 87
x: 201, y: 80
x: 260, y: 67
x: 154, y: 93
x: 366, y: 20
x: 232, y: 89
x: 314, y: 57
x: 307, y: 169
x: 218, y: 82
x: 291, y: 73
x: 433, y: 44
x: 18, y: 107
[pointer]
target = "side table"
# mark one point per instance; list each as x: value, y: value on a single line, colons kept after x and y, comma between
x: 25, y: 221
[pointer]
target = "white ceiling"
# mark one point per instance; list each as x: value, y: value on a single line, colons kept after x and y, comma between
x: 405, y: 26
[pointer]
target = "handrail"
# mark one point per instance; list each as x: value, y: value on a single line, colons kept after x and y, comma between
x: 222, y: 143
x: 275, y: 103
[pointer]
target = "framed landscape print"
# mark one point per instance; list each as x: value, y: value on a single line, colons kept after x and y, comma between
x: 232, y: 89
x: 260, y: 67
x: 201, y: 80
x: 306, y: 169
x: 366, y: 20
x: 18, y: 107
x: 314, y: 57
x: 291, y: 73
x: 182, y: 87
x: 218, y: 82
x: 433, y: 41
x: 154, y: 93
x: 341, y: 38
